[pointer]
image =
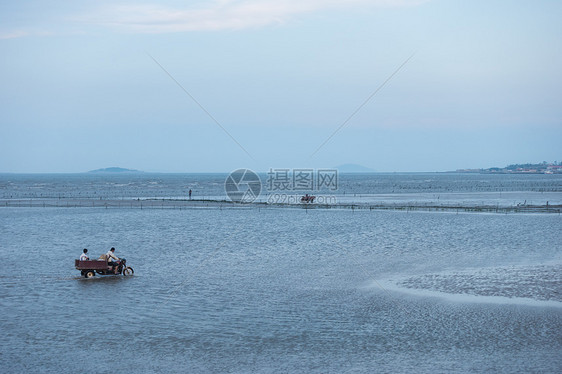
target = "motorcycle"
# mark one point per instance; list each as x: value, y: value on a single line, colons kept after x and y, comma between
x: 90, y: 268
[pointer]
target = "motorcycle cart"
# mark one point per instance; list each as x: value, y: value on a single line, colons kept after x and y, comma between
x: 90, y: 268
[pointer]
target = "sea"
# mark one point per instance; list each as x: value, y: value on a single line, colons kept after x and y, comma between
x: 282, y: 288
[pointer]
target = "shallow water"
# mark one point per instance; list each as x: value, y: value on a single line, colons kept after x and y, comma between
x: 281, y: 290
x: 205, y: 186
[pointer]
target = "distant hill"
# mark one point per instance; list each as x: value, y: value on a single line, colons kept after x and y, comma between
x: 541, y: 168
x: 114, y: 169
x: 354, y: 168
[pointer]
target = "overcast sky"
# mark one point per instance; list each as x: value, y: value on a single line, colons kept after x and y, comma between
x: 268, y: 83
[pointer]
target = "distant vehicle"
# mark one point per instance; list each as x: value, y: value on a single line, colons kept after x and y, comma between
x: 90, y: 268
x: 308, y: 198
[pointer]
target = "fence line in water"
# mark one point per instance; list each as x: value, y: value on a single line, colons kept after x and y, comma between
x: 224, y: 204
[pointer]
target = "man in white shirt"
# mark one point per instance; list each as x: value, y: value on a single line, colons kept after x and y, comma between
x: 111, y: 255
x: 84, y: 256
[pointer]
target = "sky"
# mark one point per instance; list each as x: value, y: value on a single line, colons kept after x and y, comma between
x: 213, y: 86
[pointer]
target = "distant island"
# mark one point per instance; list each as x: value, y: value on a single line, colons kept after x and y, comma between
x: 354, y: 168
x: 542, y: 168
x: 114, y: 169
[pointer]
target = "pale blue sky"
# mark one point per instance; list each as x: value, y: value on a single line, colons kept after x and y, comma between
x: 79, y: 91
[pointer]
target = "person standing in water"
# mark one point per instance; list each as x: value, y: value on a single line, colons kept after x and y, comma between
x: 189, y: 194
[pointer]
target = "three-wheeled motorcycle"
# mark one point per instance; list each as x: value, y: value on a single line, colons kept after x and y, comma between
x: 90, y: 268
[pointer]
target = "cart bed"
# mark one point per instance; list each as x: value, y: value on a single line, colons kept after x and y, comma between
x: 91, y: 265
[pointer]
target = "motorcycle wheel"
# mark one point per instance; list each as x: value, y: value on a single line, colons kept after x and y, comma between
x: 128, y: 271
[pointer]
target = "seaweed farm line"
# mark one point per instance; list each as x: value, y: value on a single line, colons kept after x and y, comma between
x: 163, y: 203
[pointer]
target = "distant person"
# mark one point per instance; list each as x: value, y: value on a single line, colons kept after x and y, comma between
x: 84, y: 256
x: 111, y: 255
x: 190, y: 194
